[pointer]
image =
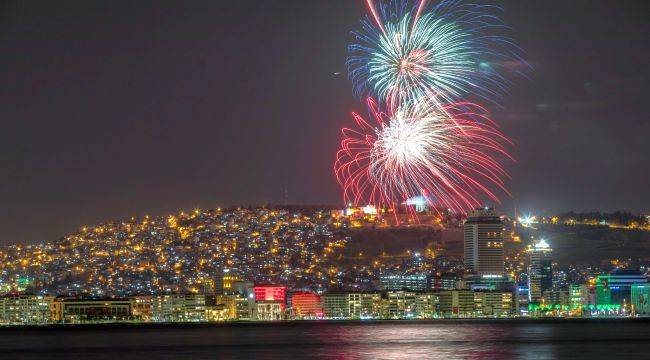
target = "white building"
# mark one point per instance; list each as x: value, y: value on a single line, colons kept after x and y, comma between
x: 178, y: 307
x: 540, y: 270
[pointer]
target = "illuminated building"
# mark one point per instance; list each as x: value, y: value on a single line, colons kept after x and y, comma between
x: 489, y: 282
x: 540, y: 271
x: 354, y: 304
x: 412, y: 282
x: 244, y: 307
x: 204, y: 286
x: 521, y: 299
x: 401, y: 304
x: 615, y: 289
x: 576, y: 298
x: 640, y: 295
x: 270, y: 293
x: 580, y: 295
x: 560, y: 279
x: 218, y: 283
x: 141, y: 307
x: 244, y: 288
x: 221, y: 308
x: 270, y: 302
x: 306, y: 305
x: 494, y: 303
x: 426, y: 305
x: 456, y: 303
x: 357, y: 305
x: 25, y: 309
x: 178, y: 307
x: 244, y: 297
x: 225, y: 281
x: 556, y: 297
x: 447, y: 282
x: 269, y: 310
x: 217, y: 313
x: 410, y: 305
x: 367, y: 305
x: 483, y: 242
x: 336, y: 305
x: 91, y: 310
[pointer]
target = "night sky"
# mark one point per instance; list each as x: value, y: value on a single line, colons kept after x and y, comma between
x: 126, y: 108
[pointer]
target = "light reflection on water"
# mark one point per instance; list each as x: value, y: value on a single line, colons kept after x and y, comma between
x: 446, y: 341
x: 359, y: 340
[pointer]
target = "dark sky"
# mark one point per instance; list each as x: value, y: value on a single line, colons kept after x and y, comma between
x: 121, y: 108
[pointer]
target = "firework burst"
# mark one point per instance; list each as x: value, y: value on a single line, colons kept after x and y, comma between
x: 406, y: 50
x: 450, y: 153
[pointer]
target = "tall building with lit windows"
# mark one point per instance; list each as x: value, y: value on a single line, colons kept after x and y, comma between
x: 224, y: 281
x: 540, y: 270
x: 483, y: 242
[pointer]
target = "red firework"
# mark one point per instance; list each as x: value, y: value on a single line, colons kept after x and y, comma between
x: 450, y: 154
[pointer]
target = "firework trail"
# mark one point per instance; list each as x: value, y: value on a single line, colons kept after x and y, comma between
x: 448, y: 152
x: 409, y: 49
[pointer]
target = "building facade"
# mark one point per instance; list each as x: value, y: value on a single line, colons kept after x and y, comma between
x: 336, y: 305
x: 426, y: 305
x: 221, y: 308
x: 141, y: 308
x: 409, y: 282
x: 244, y: 297
x: 178, y: 307
x: 615, y: 289
x: 556, y: 297
x: 540, y: 271
x: 306, y: 305
x: 342, y: 305
x: 456, y: 303
x: 91, y: 310
x: 270, y: 293
x: 269, y: 310
x: 370, y: 306
x: 26, y: 309
x: 401, y: 304
x: 640, y: 294
x: 581, y: 297
x: 494, y: 303
x: 483, y: 243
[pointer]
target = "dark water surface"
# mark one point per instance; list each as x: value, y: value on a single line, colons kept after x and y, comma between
x: 326, y: 340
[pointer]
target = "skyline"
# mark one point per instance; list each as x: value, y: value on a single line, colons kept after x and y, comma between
x: 155, y: 129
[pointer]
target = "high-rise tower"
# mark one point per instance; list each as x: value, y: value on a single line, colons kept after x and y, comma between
x: 540, y: 271
x: 483, y: 235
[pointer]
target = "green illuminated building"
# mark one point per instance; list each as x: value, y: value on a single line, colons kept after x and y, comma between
x: 640, y: 299
x: 615, y: 289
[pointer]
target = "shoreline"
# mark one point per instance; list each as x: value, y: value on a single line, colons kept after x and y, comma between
x: 292, y: 323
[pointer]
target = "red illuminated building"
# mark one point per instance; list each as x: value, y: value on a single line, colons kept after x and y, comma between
x: 306, y: 305
x: 270, y: 293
